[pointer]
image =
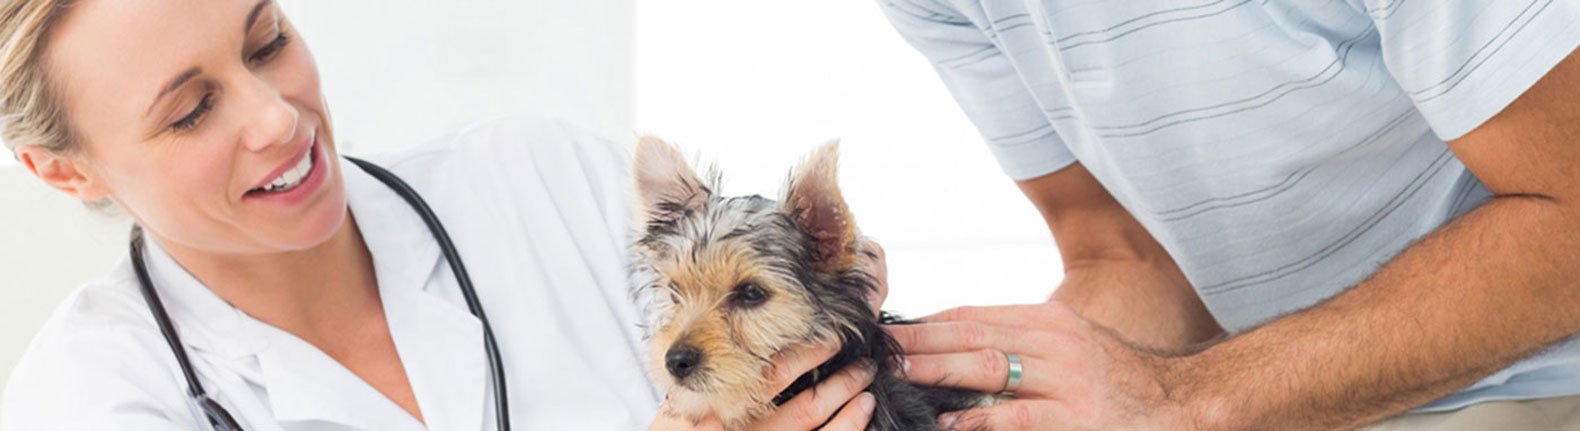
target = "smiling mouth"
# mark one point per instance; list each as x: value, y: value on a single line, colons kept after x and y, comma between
x: 291, y: 178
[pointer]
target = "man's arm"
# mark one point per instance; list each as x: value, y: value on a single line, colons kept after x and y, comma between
x: 1492, y: 287
x: 1115, y: 273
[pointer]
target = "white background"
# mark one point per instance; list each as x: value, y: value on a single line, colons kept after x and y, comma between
x: 751, y: 85
x: 755, y: 86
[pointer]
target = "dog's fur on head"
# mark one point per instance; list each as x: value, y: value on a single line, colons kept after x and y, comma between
x: 735, y: 280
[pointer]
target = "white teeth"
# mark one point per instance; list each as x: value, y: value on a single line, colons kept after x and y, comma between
x: 292, y: 177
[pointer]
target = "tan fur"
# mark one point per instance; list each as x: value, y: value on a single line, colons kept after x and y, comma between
x: 698, y: 271
x: 739, y: 345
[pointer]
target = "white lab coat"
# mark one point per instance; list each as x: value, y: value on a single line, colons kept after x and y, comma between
x: 538, y: 212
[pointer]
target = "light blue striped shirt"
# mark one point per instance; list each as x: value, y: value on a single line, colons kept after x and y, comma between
x: 1281, y: 151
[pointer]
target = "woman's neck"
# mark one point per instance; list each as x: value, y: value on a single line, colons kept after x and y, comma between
x: 301, y: 291
x: 327, y: 296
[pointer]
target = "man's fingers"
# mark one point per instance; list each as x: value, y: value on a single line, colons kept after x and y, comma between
x: 1024, y: 316
x: 790, y: 364
x: 1013, y: 415
x: 855, y: 415
x: 814, y: 406
x: 956, y: 337
x: 985, y: 370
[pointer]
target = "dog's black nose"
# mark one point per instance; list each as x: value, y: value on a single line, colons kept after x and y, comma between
x: 682, y: 360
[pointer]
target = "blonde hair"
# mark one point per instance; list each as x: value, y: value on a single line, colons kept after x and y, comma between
x: 30, y: 112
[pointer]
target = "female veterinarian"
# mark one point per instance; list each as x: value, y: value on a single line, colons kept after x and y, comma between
x: 271, y: 284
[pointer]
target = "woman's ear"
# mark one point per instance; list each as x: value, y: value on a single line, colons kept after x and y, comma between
x: 68, y: 174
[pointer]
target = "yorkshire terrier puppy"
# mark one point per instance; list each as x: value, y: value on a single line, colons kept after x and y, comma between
x: 731, y: 281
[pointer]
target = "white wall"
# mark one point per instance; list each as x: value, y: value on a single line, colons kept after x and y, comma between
x: 756, y: 85
x: 393, y: 72
x: 49, y: 244
x: 395, y: 69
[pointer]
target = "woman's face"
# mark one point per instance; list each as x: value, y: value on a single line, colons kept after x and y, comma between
x: 203, y: 119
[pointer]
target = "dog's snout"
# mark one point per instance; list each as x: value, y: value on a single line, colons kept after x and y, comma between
x: 682, y: 360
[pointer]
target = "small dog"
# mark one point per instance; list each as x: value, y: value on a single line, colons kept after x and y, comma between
x: 734, y: 280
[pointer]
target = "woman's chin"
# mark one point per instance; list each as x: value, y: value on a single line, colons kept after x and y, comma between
x: 308, y: 230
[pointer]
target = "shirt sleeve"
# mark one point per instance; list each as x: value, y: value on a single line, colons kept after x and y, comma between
x: 985, y: 84
x: 1463, y: 61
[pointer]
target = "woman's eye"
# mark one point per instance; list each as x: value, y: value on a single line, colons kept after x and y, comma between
x: 193, y: 118
x: 268, y: 51
x: 749, y: 295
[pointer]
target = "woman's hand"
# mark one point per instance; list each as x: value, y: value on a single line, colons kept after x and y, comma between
x: 1075, y: 375
x: 837, y: 403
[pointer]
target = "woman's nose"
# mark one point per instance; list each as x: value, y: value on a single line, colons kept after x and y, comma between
x: 267, y: 119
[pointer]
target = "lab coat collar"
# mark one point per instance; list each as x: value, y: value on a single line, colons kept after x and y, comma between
x: 404, y: 256
x: 204, y: 321
x: 304, y: 385
x: 404, y: 251
x: 439, y: 342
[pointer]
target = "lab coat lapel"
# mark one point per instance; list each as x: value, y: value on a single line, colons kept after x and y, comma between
x: 439, y: 342
x: 309, y: 390
x: 442, y: 347
x: 204, y: 321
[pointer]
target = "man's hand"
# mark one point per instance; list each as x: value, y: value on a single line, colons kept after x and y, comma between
x: 1147, y: 302
x: 1076, y: 375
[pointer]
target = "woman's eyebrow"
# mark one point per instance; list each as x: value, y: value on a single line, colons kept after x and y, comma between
x: 187, y: 75
x: 252, y: 17
x: 173, y: 85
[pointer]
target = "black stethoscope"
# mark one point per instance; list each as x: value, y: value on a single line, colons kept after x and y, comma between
x: 221, y: 418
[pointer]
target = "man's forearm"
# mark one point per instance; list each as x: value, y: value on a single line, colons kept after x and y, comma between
x: 1488, y: 289
x: 1115, y: 273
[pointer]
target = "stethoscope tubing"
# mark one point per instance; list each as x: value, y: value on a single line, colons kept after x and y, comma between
x: 462, y: 278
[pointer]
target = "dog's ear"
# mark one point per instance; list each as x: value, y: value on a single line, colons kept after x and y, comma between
x: 666, y: 187
x: 813, y: 199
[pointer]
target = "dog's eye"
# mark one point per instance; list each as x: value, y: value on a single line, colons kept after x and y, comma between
x: 673, y: 293
x: 748, y: 294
